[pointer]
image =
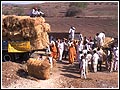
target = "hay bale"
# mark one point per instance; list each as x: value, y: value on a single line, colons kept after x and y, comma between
x: 12, y: 36
x: 46, y: 27
x: 26, y: 28
x: 38, y: 68
x: 12, y: 22
x: 39, y: 20
x: 28, y: 32
x: 4, y: 33
x: 40, y: 42
x: 108, y: 41
x: 39, y: 29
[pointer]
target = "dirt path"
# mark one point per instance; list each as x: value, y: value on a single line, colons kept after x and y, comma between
x: 63, y: 75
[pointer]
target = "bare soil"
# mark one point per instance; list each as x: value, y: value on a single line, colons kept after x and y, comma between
x: 14, y: 75
x: 63, y: 75
x: 88, y: 26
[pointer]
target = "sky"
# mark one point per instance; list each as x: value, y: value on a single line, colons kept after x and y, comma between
x: 30, y: 2
x: 26, y: 2
x: 22, y: 2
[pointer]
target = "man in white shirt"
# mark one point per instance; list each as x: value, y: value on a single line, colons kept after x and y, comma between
x: 95, y: 60
x: 101, y: 36
x: 61, y: 48
x: 72, y: 32
x: 83, y: 67
x: 34, y: 12
x: 89, y: 60
x: 100, y: 53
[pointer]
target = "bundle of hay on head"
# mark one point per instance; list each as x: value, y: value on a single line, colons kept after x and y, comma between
x: 108, y: 41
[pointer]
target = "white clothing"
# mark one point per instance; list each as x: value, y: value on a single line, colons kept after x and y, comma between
x: 69, y: 43
x: 101, y: 37
x: 52, y: 42
x: 95, y: 61
x: 40, y: 13
x: 88, y: 47
x: 85, y: 51
x: 91, y: 45
x: 95, y: 58
x: 116, y: 52
x: 88, y: 58
x: 79, y: 47
x: 83, y: 68
x: 100, y: 53
x: 34, y: 12
x: 61, y: 48
x: 79, y: 57
x: 65, y: 46
x: 72, y: 32
x: 51, y: 61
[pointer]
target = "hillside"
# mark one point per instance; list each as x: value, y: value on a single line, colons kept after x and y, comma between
x: 60, y: 9
x: 88, y: 17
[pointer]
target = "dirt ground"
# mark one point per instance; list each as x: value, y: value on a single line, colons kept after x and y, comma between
x: 64, y: 75
x: 85, y: 25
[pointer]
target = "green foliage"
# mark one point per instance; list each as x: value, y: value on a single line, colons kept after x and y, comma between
x: 75, y: 7
x: 78, y: 4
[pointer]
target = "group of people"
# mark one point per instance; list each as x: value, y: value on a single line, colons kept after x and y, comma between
x: 36, y: 12
x: 88, y: 52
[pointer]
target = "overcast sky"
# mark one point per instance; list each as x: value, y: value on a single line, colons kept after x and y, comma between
x: 29, y: 2
x: 22, y: 2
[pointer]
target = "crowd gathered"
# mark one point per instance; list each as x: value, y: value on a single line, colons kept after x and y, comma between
x: 88, y: 52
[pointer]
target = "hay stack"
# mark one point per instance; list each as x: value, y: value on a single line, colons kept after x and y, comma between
x: 108, y: 41
x: 26, y: 28
x: 38, y: 68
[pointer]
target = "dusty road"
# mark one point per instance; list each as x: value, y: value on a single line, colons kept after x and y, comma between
x: 63, y: 75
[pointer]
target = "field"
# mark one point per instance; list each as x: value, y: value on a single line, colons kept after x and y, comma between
x: 87, y: 26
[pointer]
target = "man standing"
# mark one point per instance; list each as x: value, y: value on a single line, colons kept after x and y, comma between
x: 72, y: 32
x: 101, y: 36
x: 83, y: 67
x: 72, y: 54
x: 95, y: 60
x: 61, y: 48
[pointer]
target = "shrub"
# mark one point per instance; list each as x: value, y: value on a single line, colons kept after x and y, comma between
x: 75, y: 7
x: 79, y: 4
x: 72, y: 11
